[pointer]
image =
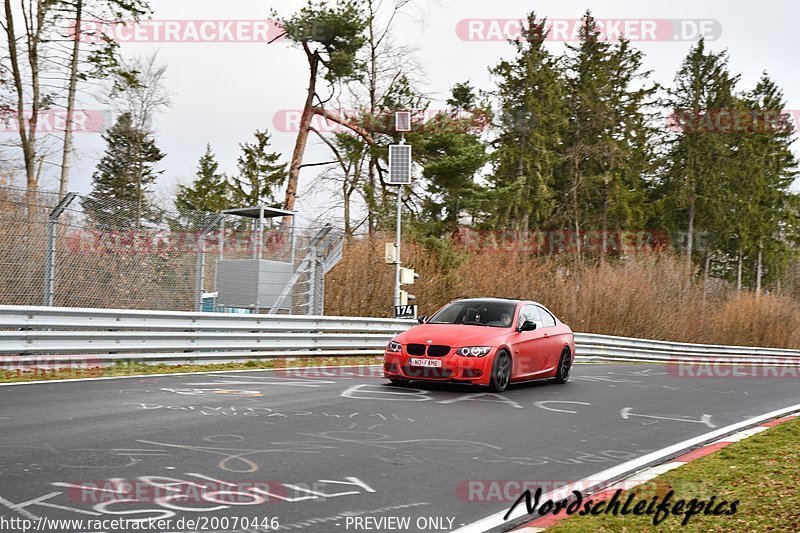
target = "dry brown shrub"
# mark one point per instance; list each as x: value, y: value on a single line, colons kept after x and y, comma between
x: 646, y: 295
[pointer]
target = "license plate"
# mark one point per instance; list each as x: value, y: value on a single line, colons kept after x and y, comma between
x: 435, y: 363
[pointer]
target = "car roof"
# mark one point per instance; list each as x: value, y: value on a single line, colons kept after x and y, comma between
x: 494, y: 299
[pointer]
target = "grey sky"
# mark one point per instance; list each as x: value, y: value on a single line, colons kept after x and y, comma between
x: 223, y: 92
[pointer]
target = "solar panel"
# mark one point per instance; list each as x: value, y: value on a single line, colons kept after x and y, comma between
x: 399, y: 164
x: 402, y: 121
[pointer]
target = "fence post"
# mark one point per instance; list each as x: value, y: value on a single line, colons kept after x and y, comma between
x: 319, y: 285
x: 200, y: 275
x: 50, y: 248
x: 311, y: 294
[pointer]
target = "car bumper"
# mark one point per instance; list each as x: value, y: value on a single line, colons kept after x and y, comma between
x: 455, y: 368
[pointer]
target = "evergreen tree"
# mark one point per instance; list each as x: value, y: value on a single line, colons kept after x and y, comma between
x: 451, y: 153
x: 607, y: 147
x: 532, y: 118
x: 210, y: 191
x: 260, y: 174
x: 759, y: 201
x: 330, y: 34
x: 120, y: 186
x: 698, y: 163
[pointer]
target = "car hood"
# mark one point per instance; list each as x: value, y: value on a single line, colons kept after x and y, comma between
x: 452, y: 335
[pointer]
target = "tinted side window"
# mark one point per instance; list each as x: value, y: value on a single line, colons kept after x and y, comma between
x: 531, y: 313
x: 547, y: 319
x: 523, y: 315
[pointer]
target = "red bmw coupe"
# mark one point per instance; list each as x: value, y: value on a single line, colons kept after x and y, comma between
x: 487, y: 341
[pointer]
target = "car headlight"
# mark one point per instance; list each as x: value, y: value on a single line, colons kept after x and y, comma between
x: 474, y: 351
x: 395, y: 347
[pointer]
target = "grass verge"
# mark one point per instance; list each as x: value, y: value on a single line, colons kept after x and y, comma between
x: 135, y: 368
x: 762, y: 472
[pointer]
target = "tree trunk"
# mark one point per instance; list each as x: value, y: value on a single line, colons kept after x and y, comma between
x: 690, y: 234
x: 66, y: 156
x: 604, y: 236
x: 138, y: 177
x: 27, y: 137
x: 370, y: 196
x: 576, y: 212
x: 33, y: 60
x: 302, y: 135
x: 739, y: 276
x: 373, y: 105
x: 346, y: 193
x: 759, y: 271
x: 350, y: 189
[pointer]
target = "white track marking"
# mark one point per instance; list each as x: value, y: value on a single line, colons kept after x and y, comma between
x: 705, y: 419
x: 541, y: 405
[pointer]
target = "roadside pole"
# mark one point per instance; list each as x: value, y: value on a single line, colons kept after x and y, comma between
x: 399, y: 175
x: 398, y: 263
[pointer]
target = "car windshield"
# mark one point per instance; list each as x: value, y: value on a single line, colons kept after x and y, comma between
x: 476, y: 313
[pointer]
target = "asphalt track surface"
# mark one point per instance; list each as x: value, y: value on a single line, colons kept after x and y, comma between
x: 321, y: 447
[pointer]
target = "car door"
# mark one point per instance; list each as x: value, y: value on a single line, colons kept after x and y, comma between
x: 552, y: 341
x: 529, y: 354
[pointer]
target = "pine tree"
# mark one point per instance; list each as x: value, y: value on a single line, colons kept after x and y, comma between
x: 210, y: 191
x: 607, y: 143
x: 331, y: 34
x: 120, y: 186
x: 698, y: 160
x: 451, y: 153
x: 759, y: 204
x: 532, y: 120
x: 260, y: 174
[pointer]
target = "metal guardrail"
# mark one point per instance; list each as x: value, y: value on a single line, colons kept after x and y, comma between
x: 59, y: 336
x: 590, y: 346
x: 65, y: 336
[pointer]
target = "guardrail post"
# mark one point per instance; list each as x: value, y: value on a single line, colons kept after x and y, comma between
x: 50, y: 248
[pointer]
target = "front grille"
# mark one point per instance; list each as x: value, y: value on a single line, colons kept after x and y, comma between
x: 427, y: 372
x: 415, y: 349
x: 438, y: 351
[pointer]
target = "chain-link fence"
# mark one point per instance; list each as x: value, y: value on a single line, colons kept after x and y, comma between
x: 79, y: 251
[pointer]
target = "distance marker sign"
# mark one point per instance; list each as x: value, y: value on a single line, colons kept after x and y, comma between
x: 405, y: 311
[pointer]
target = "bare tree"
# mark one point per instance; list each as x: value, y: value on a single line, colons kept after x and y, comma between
x: 50, y: 53
x: 92, y: 47
x: 139, y: 88
x: 363, y: 102
x: 25, y: 57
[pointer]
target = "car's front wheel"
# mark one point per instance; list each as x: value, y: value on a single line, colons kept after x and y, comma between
x: 564, y: 367
x: 501, y: 372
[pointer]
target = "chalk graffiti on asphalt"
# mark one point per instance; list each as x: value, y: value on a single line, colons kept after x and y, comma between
x: 268, y: 412
x: 165, y: 496
x: 234, y: 459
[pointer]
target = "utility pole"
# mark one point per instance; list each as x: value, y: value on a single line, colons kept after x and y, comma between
x: 398, y: 262
x: 400, y: 175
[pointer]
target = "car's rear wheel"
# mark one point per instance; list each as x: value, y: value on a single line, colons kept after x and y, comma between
x: 564, y: 367
x: 501, y: 372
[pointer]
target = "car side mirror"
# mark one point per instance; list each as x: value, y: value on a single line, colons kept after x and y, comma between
x: 528, y: 326
x: 422, y: 319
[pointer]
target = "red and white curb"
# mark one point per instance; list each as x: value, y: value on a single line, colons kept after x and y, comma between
x: 636, y: 471
x: 540, y: 524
